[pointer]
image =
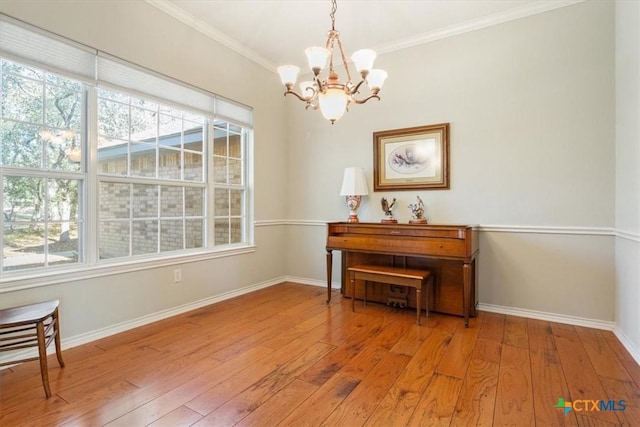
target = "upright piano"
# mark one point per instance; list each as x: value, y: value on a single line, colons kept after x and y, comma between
x: 449, y: 251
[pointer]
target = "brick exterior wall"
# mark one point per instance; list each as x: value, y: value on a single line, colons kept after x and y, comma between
x: 129, y: 212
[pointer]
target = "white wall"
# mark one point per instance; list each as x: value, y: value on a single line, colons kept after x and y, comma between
x: 531, y: 107
x: 627, y: 247
x: 138, y: 32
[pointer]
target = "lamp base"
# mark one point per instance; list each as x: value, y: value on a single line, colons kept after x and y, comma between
x: 353, y: 218
x: 353, y: 203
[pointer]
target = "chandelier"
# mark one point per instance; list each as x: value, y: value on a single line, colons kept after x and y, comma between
x: 330, y: 95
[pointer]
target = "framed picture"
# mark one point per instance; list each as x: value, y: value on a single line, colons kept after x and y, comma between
x: 414, y: 158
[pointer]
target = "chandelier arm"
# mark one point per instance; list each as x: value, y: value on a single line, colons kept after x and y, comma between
x: 297, y: 95
x: 321, y: 87
x: 356, y: 88
x: 362, y: 101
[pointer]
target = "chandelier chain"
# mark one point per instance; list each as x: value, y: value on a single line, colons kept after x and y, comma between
x: 334, y: 8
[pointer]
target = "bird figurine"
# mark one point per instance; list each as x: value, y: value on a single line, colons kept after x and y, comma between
x: 387, y: 208
x: 417, y: 211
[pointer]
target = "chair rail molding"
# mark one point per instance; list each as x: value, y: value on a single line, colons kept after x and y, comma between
x: 492, y: 228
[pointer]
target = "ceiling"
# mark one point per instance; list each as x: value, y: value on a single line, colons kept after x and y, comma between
x: 273, y: 33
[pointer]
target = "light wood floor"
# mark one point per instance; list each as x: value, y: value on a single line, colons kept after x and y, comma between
x: 281, y: 356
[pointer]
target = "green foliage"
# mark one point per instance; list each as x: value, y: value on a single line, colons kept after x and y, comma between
x: 41, y: 122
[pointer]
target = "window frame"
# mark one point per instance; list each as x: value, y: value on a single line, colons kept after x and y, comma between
x: 89, y: 265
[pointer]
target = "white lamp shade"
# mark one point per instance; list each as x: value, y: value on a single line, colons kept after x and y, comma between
x: 363, y: 59
x: 354, y: 182
x: 376, y: 78
x: 317, y: 56
x: 288, y: 74
x: 333, y: 104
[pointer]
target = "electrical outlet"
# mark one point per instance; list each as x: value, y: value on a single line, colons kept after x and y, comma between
x: 177, y: 275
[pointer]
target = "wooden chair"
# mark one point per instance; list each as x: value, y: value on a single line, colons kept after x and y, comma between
x: 33, y: 325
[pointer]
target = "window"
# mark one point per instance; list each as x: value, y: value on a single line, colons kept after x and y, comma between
x: 131, y: 166
x: 42, y: 179
x: 228, y: 164
x: 160, y: 206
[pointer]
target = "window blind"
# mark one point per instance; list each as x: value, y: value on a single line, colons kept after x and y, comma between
x: 32, y: 46
x: 116, y: 74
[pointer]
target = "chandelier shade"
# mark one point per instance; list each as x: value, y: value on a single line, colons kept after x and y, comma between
x: 288, y: 74
x: 376, y: 79
x: 317, y: 57
x: 333, y: 104
x: 331, y: 96
x: 363, y: 59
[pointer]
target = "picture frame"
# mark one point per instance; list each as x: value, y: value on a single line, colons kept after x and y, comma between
x: 415, y: 158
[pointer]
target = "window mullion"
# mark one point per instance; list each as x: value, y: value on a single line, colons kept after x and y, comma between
x: 91, y: 189
x: 210, y: 196
x: 43, y: 147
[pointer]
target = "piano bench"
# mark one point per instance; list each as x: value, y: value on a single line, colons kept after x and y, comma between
x: 417, y: 279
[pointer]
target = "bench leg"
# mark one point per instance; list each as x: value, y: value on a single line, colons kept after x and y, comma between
x: 365, y: 293
x: 353, y: 293
x: 418, y: 301
x: 428, y: 287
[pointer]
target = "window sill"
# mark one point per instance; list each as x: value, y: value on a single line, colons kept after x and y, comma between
x: 27, y: 281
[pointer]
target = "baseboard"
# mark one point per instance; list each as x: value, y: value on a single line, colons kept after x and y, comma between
x: 626, y: 342
x: 520, y: 312
x: 154, y: 317
x: 570, y: 320
x: 551, y: 317
x: 313, y: 282
x: 88, y: 337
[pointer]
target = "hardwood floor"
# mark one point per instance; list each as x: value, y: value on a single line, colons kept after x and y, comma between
x: 281, y: 356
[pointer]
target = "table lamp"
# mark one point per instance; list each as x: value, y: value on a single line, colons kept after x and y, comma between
x: 354, y: 186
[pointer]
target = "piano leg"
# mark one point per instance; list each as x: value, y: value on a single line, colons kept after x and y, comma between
x: 466, y: 292
x: 329, y: 269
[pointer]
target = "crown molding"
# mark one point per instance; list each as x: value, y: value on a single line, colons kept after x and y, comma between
x: 477, y: 24
x: 529, y: 9
x: 199, y: 25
